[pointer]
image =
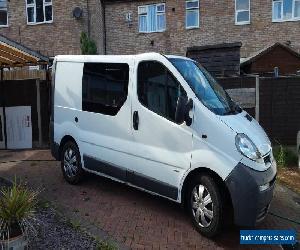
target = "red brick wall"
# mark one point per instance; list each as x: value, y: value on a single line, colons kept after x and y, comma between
x: 60, y: 37
x: 217, y: 25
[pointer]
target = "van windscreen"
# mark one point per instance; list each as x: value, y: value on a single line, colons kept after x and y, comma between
x: 206, y: 88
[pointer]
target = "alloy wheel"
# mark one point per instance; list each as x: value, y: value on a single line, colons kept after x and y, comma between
x: 70, y: 163
x: 202, y: 206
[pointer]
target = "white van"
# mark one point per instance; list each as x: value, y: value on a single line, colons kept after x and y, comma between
x: 163, y: 125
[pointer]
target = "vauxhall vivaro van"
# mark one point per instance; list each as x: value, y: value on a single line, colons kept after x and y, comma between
x: 161, y: 124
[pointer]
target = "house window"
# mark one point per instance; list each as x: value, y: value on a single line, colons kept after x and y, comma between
x: 242, y: 12
x: 286, y: 10
x: 39, y: 11
x: 192, y: 14
x: 152, y: 18
x: 3, y: 13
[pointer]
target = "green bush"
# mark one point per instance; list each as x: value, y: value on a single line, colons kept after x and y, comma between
x: 88, y: 46
x: 17, y: 206
x: 285, y: 157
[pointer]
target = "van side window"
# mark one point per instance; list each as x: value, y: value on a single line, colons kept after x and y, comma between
x: 158, y: 90
x: 104, y: 87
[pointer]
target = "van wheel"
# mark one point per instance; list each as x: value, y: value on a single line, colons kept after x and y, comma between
x: 71, y: 163
x: 205, y: 205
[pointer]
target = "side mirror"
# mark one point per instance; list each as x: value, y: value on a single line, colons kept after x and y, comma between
x: 189, y: 107
x: 184, y: 106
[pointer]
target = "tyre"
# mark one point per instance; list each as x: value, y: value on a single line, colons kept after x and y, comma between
x: 71, y: 163
x: 205, y: 205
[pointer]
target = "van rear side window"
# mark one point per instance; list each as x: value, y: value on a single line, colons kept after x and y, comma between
x: 104, y: 87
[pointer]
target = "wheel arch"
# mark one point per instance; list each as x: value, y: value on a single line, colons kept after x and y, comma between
x: 63, y: 141
x: 202, y: 170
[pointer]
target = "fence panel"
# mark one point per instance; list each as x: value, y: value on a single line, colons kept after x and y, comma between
x: 241, y: 90
x: 279, y: 103
x: 280, y: 108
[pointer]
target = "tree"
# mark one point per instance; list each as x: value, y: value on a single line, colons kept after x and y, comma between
x: 88, y: 46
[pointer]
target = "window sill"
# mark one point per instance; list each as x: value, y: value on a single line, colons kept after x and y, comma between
x: 33, y: 24
x: 242, y: 23
x: 192, y: 27
x: 151, y: 32
x: 289, y: 20
x: 3, y: 26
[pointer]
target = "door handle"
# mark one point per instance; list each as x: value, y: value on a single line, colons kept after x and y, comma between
x: 135, y: 120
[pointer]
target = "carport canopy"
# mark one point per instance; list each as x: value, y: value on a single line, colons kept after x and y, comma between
x: 13, y: 54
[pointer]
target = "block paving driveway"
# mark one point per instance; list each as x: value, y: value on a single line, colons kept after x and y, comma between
x: 132, y: 218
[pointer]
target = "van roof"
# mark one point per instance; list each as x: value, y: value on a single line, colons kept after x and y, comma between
x: 90, y: 58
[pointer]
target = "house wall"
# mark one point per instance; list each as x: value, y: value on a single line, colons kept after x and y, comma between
x: 217, y: 25
x: 62, y: 36
x: 279, y: 57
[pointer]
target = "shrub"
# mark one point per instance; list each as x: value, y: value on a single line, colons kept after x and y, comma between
x: 88, y: 46
x: 285, y: 157
x: 17, y: 207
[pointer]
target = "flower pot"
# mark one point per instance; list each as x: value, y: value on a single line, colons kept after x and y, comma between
x: 15, y: 243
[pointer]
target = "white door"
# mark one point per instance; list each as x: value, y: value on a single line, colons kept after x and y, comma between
x: 161, y: 146
x: 2, y: 137
x: 18, y: 127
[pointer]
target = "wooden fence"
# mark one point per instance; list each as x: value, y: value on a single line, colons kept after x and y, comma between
x: 279, y: 103
x: 24, y: 93
x: 280, y: 108
x: 242, y: 90
x: 24, y: 74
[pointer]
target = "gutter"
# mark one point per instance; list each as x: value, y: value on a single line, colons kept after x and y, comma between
x: 88, y: 16
x: 102, y: 2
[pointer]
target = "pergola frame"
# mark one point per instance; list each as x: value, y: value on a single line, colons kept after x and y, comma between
x: 13, y: 54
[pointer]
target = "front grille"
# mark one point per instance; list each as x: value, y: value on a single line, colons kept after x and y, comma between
x: 267, y: 159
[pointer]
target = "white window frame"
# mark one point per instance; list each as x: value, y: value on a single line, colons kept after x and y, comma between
x: 192, y: 9
x: 3, y: 26
x: 238, y: 11
x: 293, y: 19
x: 45, y: 3
x: 157, y: 13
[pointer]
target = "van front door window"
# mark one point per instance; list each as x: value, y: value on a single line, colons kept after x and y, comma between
x: 158, y: 90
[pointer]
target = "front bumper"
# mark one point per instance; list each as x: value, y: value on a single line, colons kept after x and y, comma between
x: 250, y: 204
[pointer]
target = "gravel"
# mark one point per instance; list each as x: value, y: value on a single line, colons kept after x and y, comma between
x: 4, y: 183
x: 55, y: 232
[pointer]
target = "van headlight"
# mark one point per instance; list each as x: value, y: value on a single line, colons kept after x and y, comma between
x: 247, y: 148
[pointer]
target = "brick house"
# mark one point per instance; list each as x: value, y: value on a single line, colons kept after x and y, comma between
x: 134, y: 26
x: 171, y: 26
x: 49, y: 26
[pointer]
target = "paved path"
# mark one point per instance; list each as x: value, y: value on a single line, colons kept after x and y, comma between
x: 133, y: 218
